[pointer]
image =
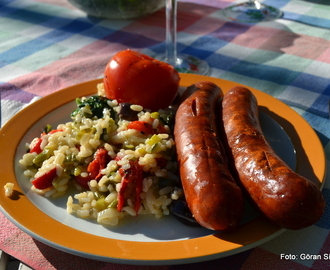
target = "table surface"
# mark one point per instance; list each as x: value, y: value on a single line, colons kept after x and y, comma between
x: 47, y: 45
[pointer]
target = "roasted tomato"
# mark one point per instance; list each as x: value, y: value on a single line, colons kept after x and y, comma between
x: 140, y: 79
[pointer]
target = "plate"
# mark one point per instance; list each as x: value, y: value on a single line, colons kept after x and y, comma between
x: 144, y: 240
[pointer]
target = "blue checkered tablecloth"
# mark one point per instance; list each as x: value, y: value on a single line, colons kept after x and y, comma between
x: 47, y: 45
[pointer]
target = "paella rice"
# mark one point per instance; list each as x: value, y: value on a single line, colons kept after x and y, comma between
x: 119, y: 157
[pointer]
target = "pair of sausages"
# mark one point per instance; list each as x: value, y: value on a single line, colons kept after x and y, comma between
x: 222, y: 158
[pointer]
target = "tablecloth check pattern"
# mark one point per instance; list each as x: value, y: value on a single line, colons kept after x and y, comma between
x: 49, y: 45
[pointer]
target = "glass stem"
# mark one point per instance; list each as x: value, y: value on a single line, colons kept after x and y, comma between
x: 171, y: 29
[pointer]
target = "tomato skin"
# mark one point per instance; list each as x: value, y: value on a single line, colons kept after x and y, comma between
x: 140, y: 79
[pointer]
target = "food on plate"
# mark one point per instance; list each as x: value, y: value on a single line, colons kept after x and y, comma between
x: 9, y: 189
x: 213, y: 196
x: 120, y: 157
x: 284, y: 197
x: 129, y: 150
x: 137, y: 78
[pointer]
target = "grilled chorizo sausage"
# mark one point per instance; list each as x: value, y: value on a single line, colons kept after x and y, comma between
x: 212, y: 194
x: 284, y: 197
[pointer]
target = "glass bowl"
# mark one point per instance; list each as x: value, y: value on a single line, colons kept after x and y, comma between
x: 118, y: 9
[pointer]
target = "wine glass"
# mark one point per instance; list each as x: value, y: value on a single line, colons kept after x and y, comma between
x: 251, y: 11
x: 181, y: 62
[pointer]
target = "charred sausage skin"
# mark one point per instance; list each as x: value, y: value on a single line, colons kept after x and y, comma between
x: 284, y: 197
x: 212, y: 194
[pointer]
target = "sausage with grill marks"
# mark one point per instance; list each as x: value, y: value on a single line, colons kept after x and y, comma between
x: 212, y: 194
x: 284, y: 197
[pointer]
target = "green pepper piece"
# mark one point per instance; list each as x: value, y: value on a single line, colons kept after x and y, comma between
x: 113, y: 204
x: 45, y: 154
x: 101, y: 204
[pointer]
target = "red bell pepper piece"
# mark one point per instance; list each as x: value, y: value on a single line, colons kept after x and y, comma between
x: 124, y: 183
x: 133, y: 174
x: 93, y: 169
x: 100, y: 161
x: 83, y: 181
x: 36, y: 143
x: 161, y: 129
x: 141, y: 126
x: 102, y: 157
x: 54, y: 131
x: 35, y: 146
x: 45, y: 180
